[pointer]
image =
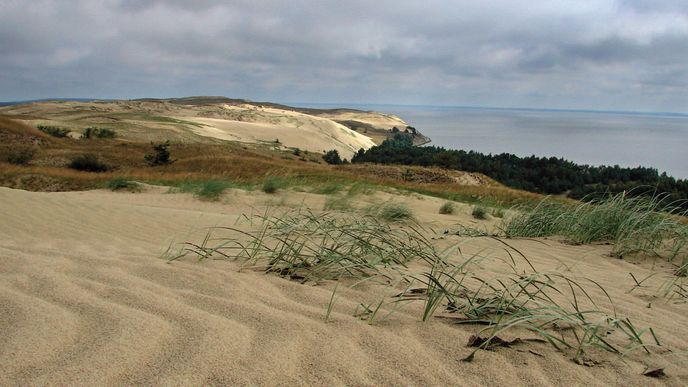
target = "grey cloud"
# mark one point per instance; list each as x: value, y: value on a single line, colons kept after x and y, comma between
x: 553, y: 54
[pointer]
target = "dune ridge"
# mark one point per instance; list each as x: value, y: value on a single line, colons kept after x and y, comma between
x: 209, y: 119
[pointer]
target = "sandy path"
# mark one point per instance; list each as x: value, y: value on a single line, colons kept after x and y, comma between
x: 85, y: 299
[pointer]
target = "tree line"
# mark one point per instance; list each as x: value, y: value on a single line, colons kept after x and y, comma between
x: 546, y: 175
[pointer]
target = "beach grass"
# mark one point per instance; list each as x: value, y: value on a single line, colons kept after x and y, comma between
x: 633, y: 224
x: 121, y: 183
x: 575, y: 315
x: 390, y: 212
x: 447, y: 208
x: 479, y: 212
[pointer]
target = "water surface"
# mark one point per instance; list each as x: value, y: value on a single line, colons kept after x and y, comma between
x: 629, y: 139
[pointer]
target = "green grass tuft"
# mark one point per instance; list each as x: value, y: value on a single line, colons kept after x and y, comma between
x: 479, y: 212
x: 391, y: 212
x: 447, y: 208
x: 121, y: 183
x: 212, y: 190
x: 633, y: 224
x: 271, y: 184
x: 314, y: 248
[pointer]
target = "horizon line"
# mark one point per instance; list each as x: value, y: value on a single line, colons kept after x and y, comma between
x: 292, y: 103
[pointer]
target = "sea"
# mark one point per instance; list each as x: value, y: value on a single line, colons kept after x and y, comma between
x: 627, y: 139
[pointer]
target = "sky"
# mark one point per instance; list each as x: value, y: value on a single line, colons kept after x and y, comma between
x: 577, y: 54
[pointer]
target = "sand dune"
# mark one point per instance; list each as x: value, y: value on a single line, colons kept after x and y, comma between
x: 207, y: 120
x: 293, y: 129
x: 86, y: 299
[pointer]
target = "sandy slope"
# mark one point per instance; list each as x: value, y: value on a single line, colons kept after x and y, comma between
x: 252, y: 123
x: 293, y: 129
x: 85, y: 299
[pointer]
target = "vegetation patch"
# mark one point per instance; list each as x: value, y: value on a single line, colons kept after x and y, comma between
x: 98, y: 133
x: 338, y: 203
x: 212, y: 190
x: 160, y: 155
x: 271, y: 184
x: 479, y: 212
x: 546, y: 175
x: 121, y: 183
x: 327, y: 189
x: 633, y: 224
x: 447, y: 208
x: 89, y: 163
x: 497, y: 212
x: 54, y: 131
x: 313, y: 248
x: 391, y: 212
x: 332, y: 157
x: 20, y: 155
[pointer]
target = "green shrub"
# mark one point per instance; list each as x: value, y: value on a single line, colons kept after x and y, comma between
x: 479, y: 212
x: 21, y: 155
x: 271, y: 185
x: 161, y: 155
x: 97, y: 133
x: 332, y: 157
x: 54, y: 131
x: 120, y: 183
x: 212, y: 190
x: 447, y: 208
x: 89, y: 163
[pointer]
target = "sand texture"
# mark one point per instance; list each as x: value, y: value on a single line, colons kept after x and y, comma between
x: 85, y: 299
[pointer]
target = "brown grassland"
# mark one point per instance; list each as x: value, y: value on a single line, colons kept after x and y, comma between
x: 235, y: 162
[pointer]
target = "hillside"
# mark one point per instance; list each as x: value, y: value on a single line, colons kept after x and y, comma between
x: 213, y: 119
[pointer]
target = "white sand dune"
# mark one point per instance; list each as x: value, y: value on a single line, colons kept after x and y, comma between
x: 249, y: 123
x: 157, y: 120
x: 86, y: 300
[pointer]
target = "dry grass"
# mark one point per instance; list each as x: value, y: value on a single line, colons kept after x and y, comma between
x: 318, y: 248
x: 240, y: 163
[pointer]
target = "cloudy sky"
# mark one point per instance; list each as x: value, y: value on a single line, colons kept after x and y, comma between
x: 626, y: 54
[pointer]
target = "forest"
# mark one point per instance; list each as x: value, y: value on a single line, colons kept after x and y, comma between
x: 546, y: 175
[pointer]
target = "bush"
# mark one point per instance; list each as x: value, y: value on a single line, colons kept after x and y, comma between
x: 479, y: 212
x: 332, y: 157
x: 447, y: 208
x: 120, y: 183
x: 21, y: 156
x: 97, y: 133
x: 271, y: 185
x: 161, y: 155
x: 89, y: 163
x: 54, y: 130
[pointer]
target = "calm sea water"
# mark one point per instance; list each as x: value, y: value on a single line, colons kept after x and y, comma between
x: 586, y: 137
